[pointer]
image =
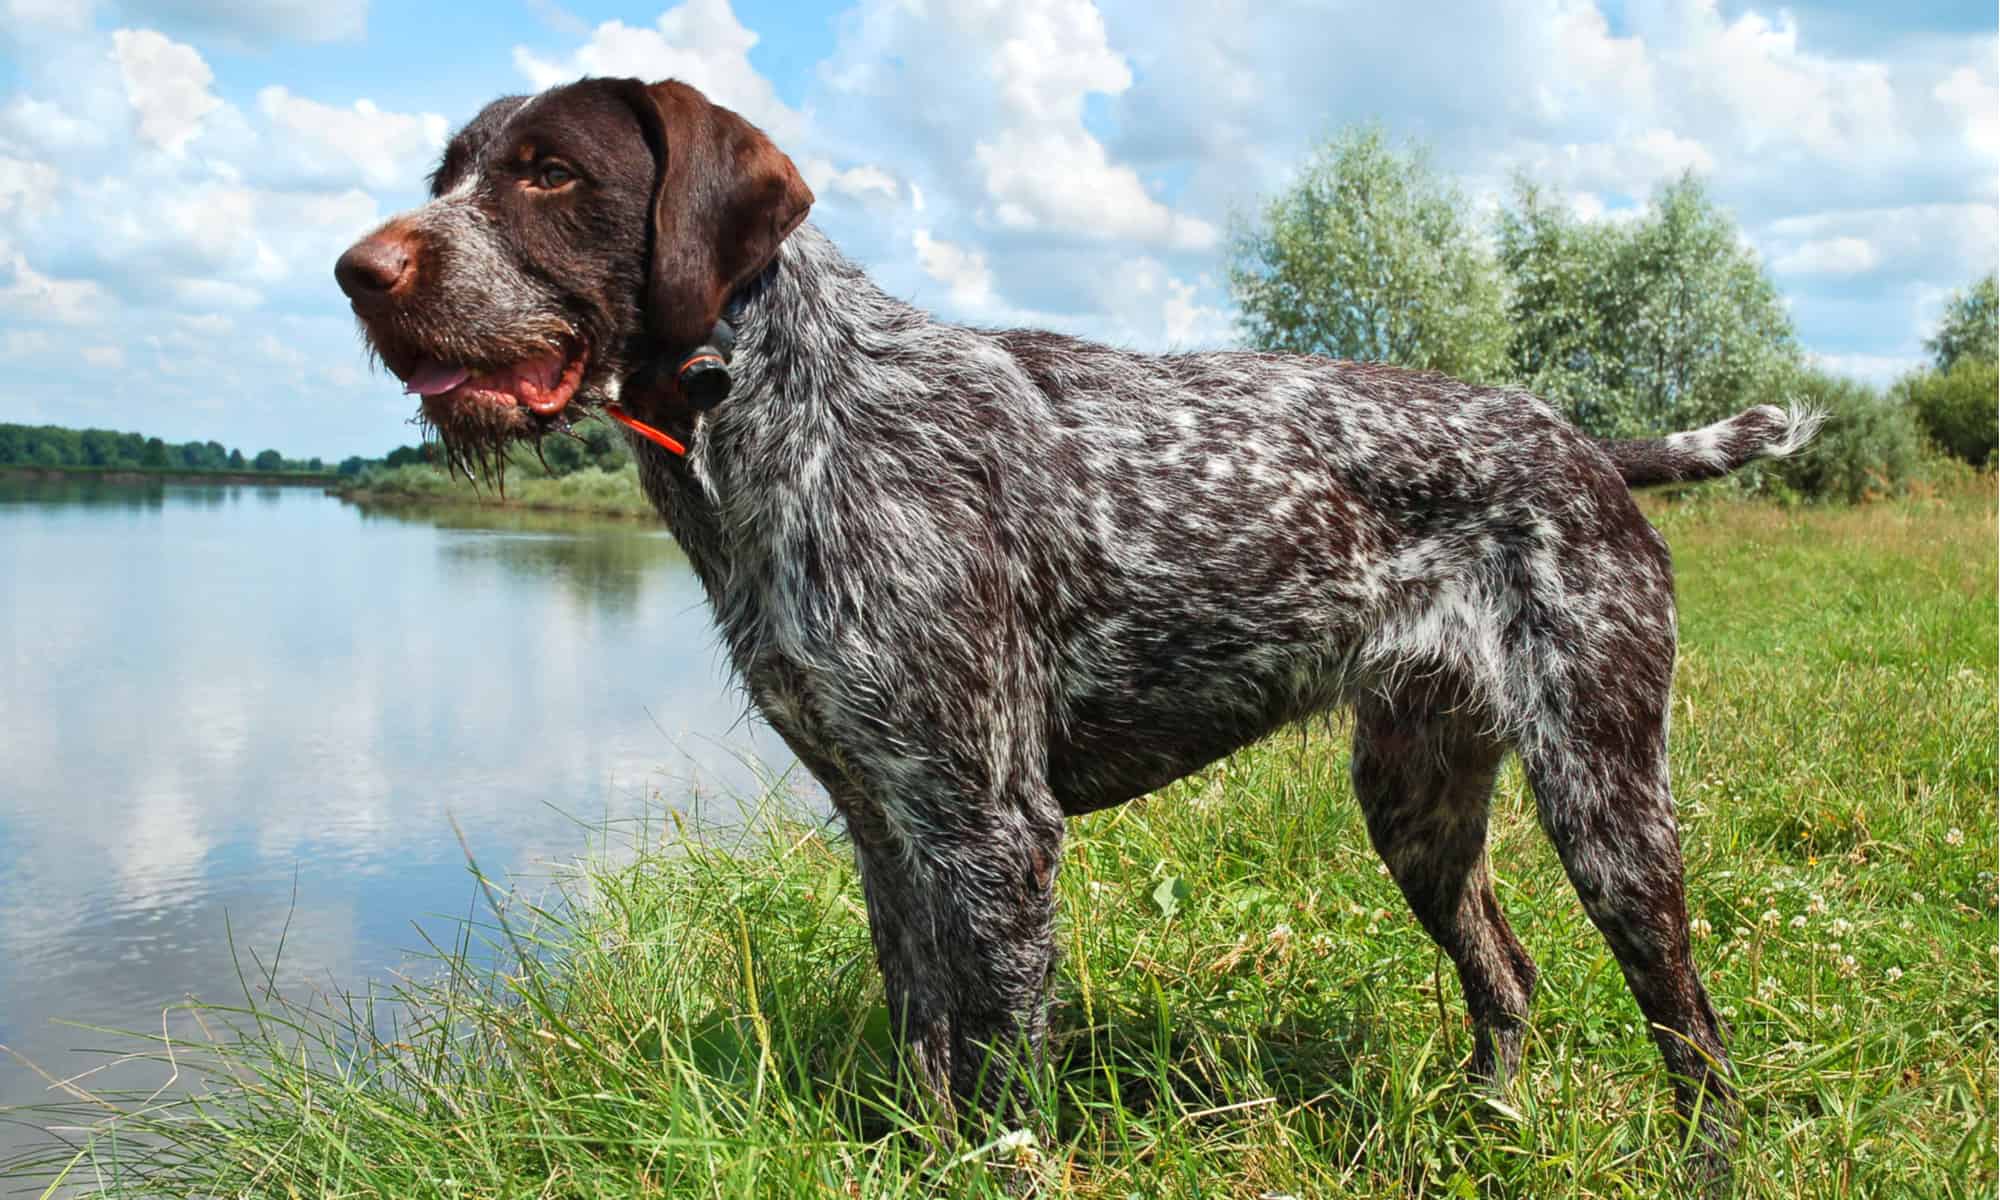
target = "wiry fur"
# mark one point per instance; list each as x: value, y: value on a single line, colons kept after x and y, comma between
x: 980, y: 581
x: 984, y: 580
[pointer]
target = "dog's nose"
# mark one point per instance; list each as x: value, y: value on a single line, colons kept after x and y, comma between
x: 375, y: 270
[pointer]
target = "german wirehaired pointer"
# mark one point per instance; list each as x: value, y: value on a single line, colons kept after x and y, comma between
x: 981, y: 581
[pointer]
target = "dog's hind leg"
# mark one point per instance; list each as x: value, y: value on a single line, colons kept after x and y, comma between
x: 1604, y: 800
x: 1425, y: 780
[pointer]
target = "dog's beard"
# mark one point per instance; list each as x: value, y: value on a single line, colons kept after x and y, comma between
x: 478, y: 398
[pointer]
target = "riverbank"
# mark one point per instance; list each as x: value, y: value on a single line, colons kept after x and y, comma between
x: 1244, y: 1005
x: 175, y: 475
x: 590, y: 491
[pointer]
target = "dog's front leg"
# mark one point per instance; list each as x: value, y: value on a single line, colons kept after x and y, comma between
x: 961, y: 904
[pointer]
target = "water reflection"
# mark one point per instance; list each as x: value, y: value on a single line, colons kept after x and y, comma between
x: 213, y: 695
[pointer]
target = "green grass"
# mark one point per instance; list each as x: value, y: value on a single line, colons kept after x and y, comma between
x: 604, y: 493
x: 700, y: 1016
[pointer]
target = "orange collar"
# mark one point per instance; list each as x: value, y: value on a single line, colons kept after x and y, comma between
x: 644, y: 430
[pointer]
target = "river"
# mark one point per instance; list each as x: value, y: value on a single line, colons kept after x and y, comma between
x: 235, y: 713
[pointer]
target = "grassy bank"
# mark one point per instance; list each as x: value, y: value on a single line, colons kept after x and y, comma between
x: 603, y: 493
x: 1245, y: 1006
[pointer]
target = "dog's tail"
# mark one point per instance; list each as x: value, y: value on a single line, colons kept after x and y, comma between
x: 1713, y: 451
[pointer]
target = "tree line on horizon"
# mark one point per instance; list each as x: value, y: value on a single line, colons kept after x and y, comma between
x: 58, y: 447
x: 1643, y: 323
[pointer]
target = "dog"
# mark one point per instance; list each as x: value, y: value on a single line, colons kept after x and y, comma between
x: 981, y: 581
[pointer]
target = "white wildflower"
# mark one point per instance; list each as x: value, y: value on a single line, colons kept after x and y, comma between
x: 1799, y: 922
x: 1770, y: 918
x: 1893, y: 974
x: 1842, y: 927
x: 1954, y: 836
x: 1848, y: 966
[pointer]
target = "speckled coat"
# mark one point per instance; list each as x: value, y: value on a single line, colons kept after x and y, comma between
x: 981, y: 581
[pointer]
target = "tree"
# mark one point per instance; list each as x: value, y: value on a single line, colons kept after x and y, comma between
x: 1642, y: 326
x: 1969, y: 328
x: 1368, y: 256
x: 1868, y: 446
x: 155, y: 454
x: 236, y: 460
x: 1956, y: 407
x: 269, y: 460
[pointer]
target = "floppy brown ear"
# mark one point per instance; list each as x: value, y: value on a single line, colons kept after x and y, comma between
x: 724, y: 199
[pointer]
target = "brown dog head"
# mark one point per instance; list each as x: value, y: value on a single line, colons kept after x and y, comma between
x: 572, y: 237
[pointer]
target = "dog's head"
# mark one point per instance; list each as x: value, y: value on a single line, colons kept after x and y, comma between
x: 572, y: 238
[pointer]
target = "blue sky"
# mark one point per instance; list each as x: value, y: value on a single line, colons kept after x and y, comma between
x: 177, y: 176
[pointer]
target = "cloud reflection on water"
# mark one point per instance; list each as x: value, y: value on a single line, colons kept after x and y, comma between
x: 211, y: 692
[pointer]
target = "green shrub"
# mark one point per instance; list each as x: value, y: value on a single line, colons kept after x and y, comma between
x: 1869, y: 446
x: 1957, y: 408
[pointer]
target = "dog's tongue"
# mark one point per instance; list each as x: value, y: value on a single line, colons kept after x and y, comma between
x: 433, y: 378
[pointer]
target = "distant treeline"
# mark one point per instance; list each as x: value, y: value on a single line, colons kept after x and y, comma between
x: 52, y: 446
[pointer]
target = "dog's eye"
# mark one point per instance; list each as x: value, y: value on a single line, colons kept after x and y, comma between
x: 551, y: 175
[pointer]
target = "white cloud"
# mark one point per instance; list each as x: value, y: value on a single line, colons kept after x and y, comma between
x: 26, y: 292
x: 385, y: 149
x: 1626, y: 166
x: 106, y: 357
x: 168, y: 85
x: 260, y: 22
x: 699, y: 42
x: 1829, y: 256
x: 993, y: 95
x: 864, y: 182
x: 1044, y: 169
x: 50, y: 14
x: 209, y: 325
x: 1877, y: 369
x: 26, y: 187
x: 963, y: 271
x: 1752, y: 77
x: 1148, y: 305
x: 50, y: 126
x: 1977, y: 101
x: 1062, y: 181
x: 1948, y: 241
x: 25, y: 343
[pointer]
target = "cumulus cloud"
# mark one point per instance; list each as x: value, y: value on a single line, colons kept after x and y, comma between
x: 1829, y: 256
x: 26, y: 187
x: 168, y: 85
x: 865, y: 182
x: 26, y: 292
x: 1004, y: 88
x: 379, y: 148
x: 962, y: 271
x: 699, y: 42
x: 1977, y: 102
